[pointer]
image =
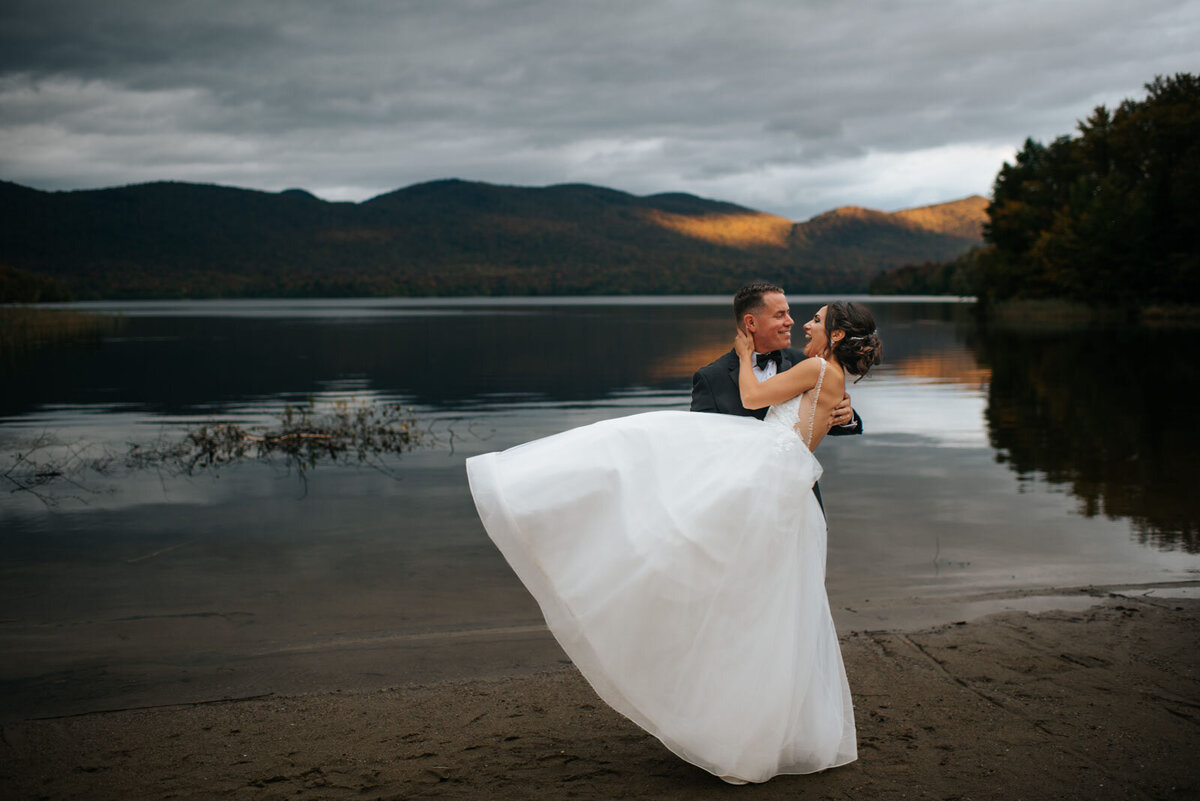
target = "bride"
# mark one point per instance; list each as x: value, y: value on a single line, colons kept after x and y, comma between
x: 679, y: 559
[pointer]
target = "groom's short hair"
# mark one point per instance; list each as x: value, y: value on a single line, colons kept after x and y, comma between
x: 750, y: 298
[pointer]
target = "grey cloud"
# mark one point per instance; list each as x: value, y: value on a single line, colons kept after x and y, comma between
x: 355, y: 97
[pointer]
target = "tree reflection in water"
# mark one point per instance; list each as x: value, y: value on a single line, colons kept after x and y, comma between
x: 25, y: 329
x: 1106, y: 411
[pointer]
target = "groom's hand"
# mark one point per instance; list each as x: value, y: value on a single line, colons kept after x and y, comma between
x: 842, y: 414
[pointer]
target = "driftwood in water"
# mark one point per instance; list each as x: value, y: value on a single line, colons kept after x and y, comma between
x: 304, y: 436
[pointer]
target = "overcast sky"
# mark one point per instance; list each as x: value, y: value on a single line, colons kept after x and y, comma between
x: 788, y: 107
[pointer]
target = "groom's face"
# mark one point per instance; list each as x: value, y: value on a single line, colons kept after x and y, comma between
x: 771, y: 326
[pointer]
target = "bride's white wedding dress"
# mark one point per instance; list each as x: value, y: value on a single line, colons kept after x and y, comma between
x: 679, y: 559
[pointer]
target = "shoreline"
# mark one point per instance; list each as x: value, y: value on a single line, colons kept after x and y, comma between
x: 1102, y: 702
x: 42, y: 681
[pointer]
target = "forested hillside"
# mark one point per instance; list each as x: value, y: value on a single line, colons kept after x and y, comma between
x: 445, y: 238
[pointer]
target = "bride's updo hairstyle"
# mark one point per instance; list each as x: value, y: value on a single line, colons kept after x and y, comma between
x: 861, y: 348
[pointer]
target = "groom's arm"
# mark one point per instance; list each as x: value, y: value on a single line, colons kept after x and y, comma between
x: 703, y: 398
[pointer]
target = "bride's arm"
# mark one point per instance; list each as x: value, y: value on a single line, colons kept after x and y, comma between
x: 778, y: 388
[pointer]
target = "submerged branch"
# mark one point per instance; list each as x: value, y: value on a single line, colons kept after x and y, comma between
x: 345, y: 431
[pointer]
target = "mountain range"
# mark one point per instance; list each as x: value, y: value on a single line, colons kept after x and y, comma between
x: 451, y: 237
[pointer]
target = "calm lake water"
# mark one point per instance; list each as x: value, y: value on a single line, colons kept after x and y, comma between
x: 997, y: 462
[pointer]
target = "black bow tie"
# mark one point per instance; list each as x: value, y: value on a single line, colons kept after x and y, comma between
x: 763, y: 358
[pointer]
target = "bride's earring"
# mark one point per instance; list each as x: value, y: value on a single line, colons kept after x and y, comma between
x: 834, y: 338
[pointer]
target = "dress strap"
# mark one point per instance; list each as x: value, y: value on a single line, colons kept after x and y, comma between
x: 812, y: 415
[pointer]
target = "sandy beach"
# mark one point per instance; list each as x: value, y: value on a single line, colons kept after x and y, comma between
x: 1097, y: 703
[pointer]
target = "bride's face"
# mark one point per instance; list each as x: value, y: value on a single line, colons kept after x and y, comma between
x: 815, y: 338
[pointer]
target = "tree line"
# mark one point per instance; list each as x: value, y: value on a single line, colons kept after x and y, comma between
x: 1108, y: 217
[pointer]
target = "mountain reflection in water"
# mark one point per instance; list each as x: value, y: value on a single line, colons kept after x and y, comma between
x: 1102, y: 411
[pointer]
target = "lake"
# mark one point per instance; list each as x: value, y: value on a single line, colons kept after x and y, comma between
x: 1002, y: 466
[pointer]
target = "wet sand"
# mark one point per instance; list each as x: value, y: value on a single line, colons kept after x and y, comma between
x: 1094, y: 703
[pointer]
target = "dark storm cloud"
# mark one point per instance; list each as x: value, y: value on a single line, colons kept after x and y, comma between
x: 786, y: 106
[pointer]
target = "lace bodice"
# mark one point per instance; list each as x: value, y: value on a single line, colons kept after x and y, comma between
x: 799, y: 413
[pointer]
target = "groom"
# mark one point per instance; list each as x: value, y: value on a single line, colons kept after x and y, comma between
x: 762, y: 310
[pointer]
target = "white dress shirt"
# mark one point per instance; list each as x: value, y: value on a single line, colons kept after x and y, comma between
x: 763, y: 373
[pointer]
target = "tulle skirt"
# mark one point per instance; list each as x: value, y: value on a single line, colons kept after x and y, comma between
x: 679, y: 559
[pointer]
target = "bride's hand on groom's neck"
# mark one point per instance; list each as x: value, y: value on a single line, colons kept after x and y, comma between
x: 743, y: 344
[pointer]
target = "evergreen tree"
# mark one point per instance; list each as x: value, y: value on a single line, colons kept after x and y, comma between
x: 1109, y: 217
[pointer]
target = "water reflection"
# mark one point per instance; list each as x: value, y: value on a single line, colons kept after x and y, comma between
x: 1104, y: 411
x: 152, y: 577
x: 26, y: 329
x: 953, y: 365
x: 184, y: 357
x: 172, y: 365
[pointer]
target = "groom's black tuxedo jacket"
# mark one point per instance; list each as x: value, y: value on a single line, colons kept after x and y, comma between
x: 715, y: 389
